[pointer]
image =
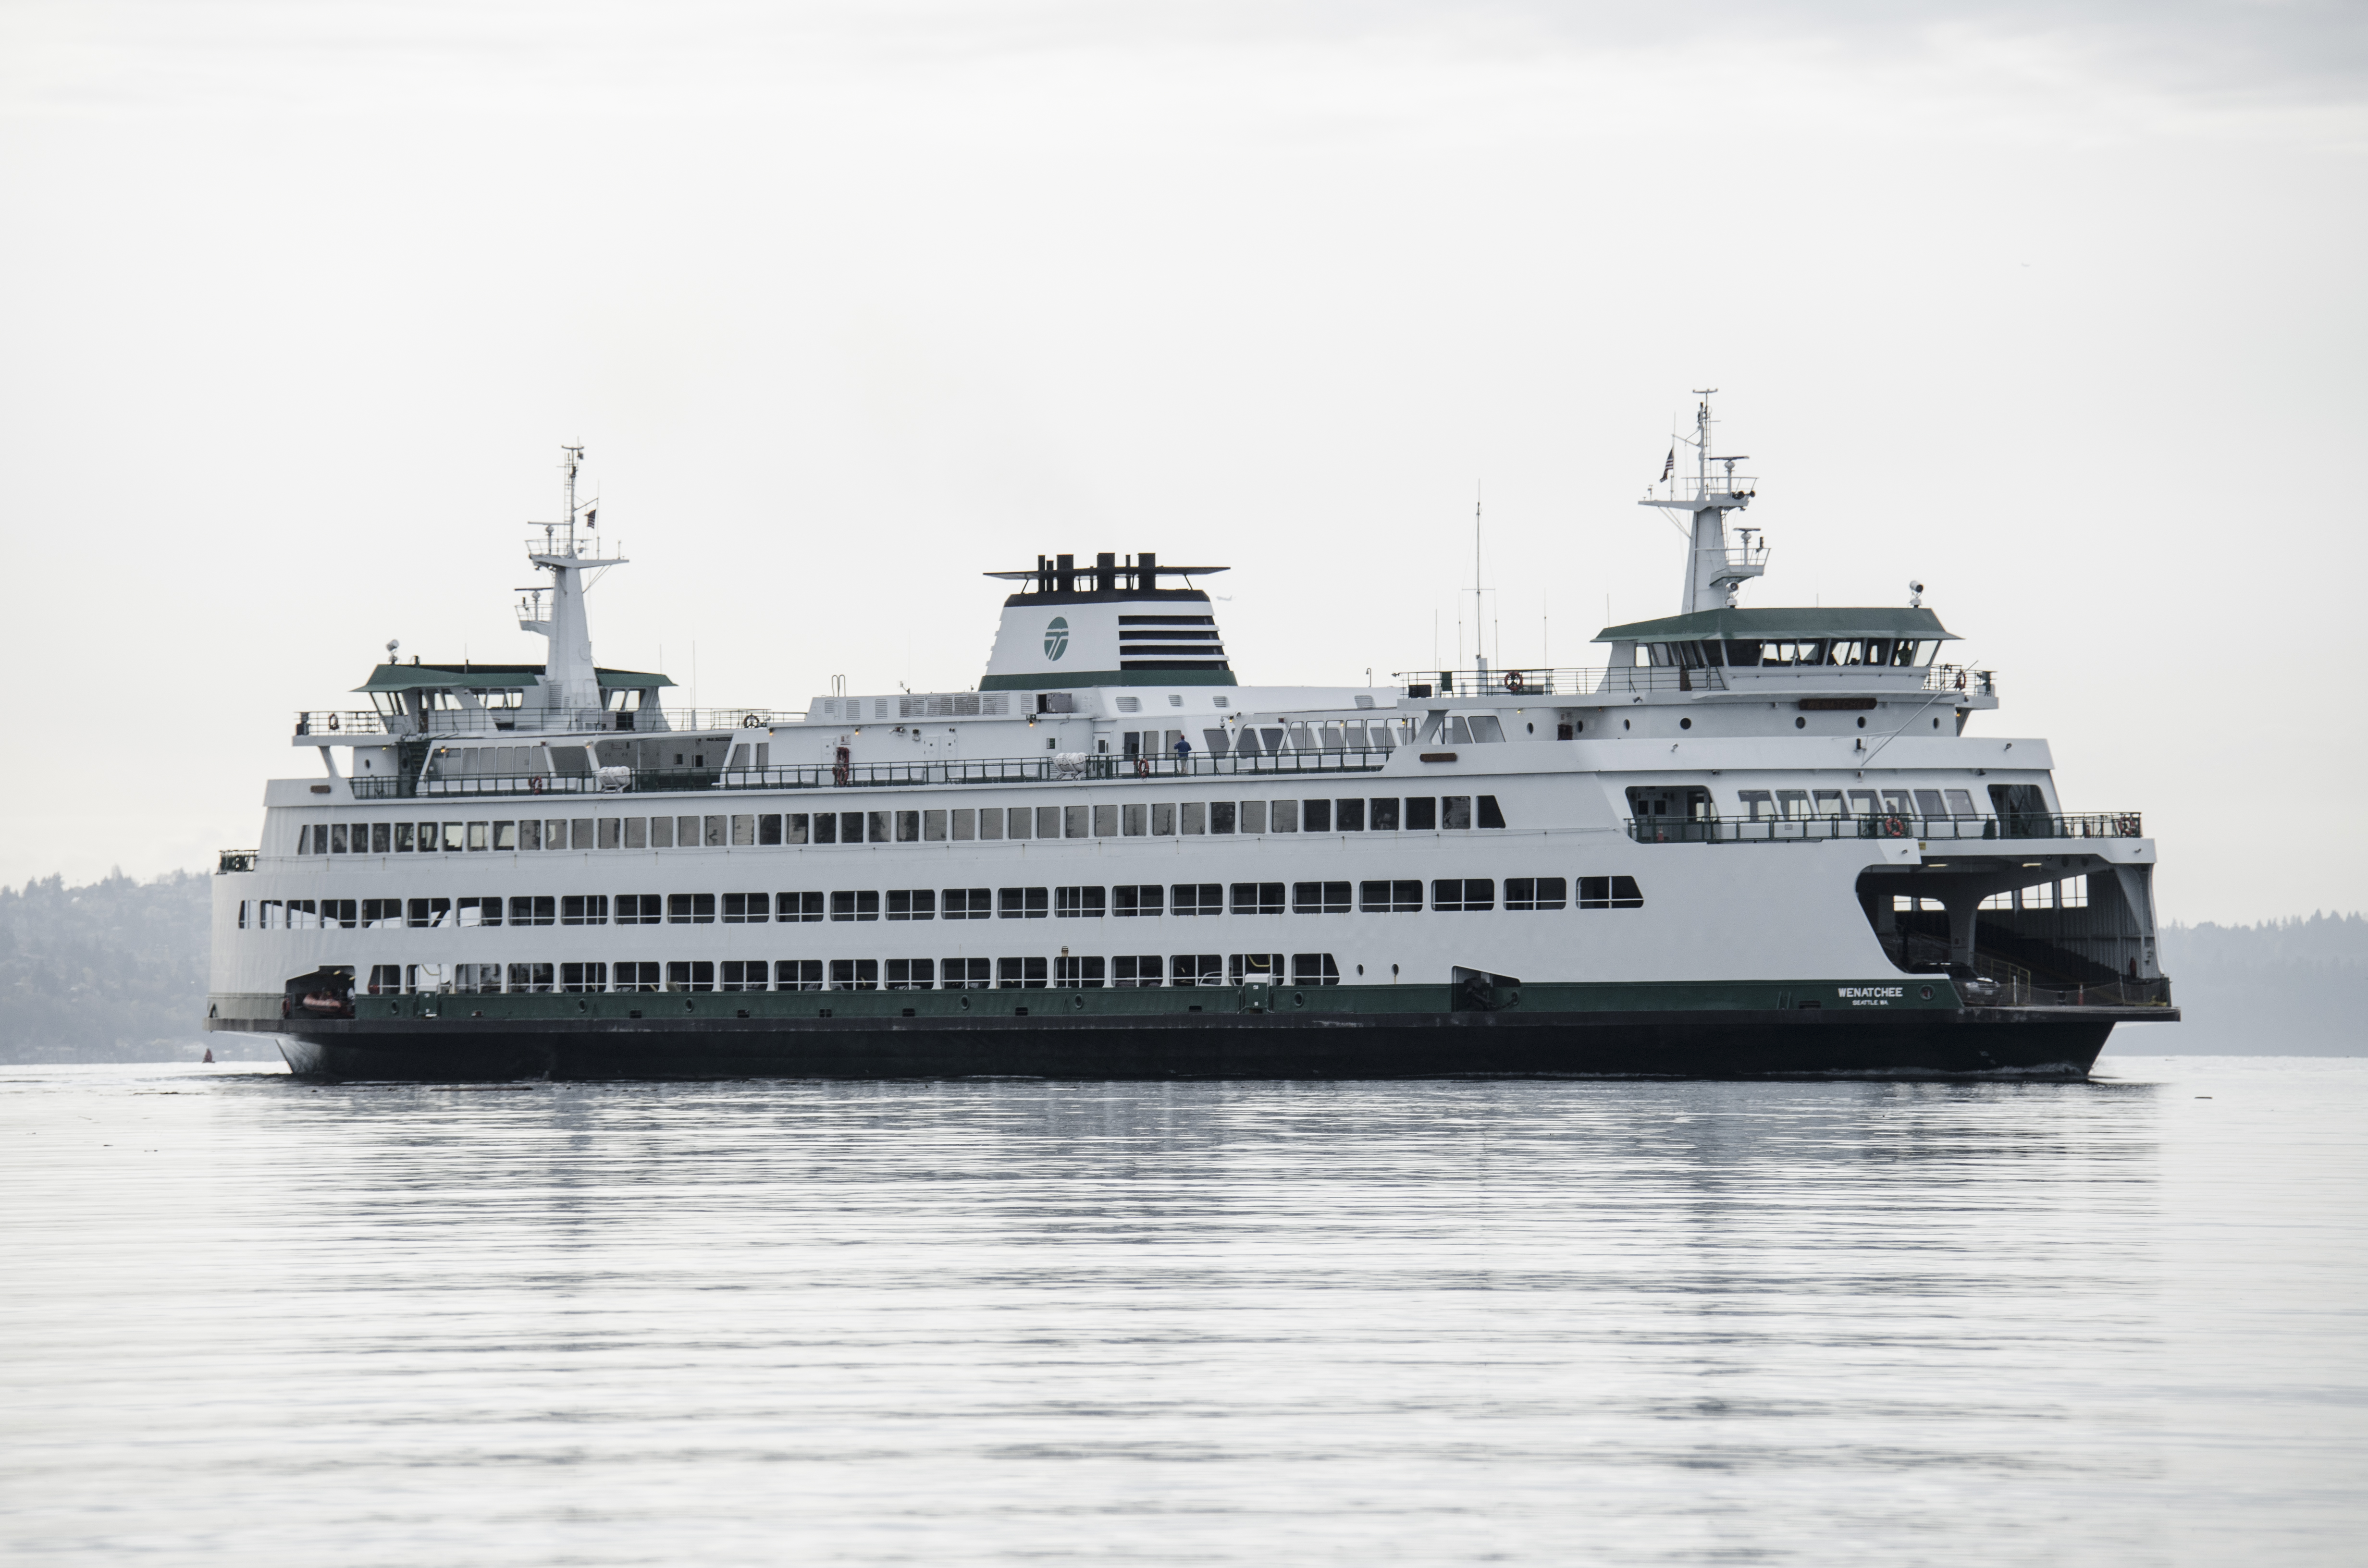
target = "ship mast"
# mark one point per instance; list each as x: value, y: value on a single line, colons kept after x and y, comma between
x: 1713, y: 569
x: 571, y: 686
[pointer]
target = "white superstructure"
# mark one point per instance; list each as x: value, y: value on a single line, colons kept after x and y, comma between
x: 1737, y: 794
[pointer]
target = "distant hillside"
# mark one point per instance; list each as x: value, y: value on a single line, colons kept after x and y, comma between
x: 2282, y: 988
x: 116, y: 972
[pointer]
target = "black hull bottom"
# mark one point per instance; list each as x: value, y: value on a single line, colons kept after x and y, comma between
x: 2060, y: 1043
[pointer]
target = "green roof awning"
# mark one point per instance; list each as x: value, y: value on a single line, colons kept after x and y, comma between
x: 1779, y: 625
x: 474, y: 675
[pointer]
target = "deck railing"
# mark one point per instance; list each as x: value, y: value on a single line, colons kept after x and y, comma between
x: 363, y: 722
x: 1063, y: 768
x: 1802, y: 830
x: 2019, y: 991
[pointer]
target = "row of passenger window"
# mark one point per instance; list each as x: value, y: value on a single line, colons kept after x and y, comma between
x: 1156, y: 819
x: 1125, y: 971
x: 1128, y: 900
x: 1800, y: 806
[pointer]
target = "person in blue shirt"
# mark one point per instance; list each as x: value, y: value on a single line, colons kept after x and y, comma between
x: 1183, y: 749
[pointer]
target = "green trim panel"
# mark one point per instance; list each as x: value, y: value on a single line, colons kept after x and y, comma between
x: 1764, y: 624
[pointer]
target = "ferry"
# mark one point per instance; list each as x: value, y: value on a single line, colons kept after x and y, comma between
x: 1750, y: 842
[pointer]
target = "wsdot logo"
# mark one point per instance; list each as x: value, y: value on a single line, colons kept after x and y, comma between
x: 1056, y: 638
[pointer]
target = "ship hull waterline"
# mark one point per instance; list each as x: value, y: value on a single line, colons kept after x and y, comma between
x: 2023, y: 1042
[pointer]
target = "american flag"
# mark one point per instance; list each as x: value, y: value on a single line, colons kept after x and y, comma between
x: 1670, y: 465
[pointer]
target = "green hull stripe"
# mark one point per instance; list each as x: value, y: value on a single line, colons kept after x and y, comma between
x: 1905, y: 993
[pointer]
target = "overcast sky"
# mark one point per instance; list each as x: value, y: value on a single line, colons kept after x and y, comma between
x: 2057, y: 308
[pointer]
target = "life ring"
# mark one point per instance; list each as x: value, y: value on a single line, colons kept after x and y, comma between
x: 750, y: 723
x: 2128, y: 824
x: 1960, y: 680
x: 332, y: 723
x: 1894, y: 828
x: 1143, y: 768
x: 534, y: 785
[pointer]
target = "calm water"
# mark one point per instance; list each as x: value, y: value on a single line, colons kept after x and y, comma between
x: 248, y: 1321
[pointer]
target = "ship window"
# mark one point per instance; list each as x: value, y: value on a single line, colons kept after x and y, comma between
x: 1421, y: 813
x: 1214, y: 742
x: 746, y: 908
x: 1384, y: 813
x: 744, y: 975
x: 691, y: 975
x: 1133, y: 820
x: 385, y: 911
x: 1195, y: 818
x: 1348, y: 816
x: 1129, y: 705
x: 1535, y: 893
x: 1389, y: 898
x: 1196, y: 968
x: 804, y: 907
x: 850, y: 827
x: 583, y: 977
x: 1282, y: 816
x: 1019, y: 821
x: 1314, y: 969
x: 1197, y: 898
x: 505, y: 835
x: 661, y: 834
x: 963, y: 826
x: 1244, y: 744
x: 1300, y: 738
x: 530, y: 834
x: 609, y: 836
x: 990, y: 823
x: 825, y: 827
x: 1961, y: 803
x: 911, y: 974
x: 1257, y: 898
x: 1470, y: 893
x: 1928, y: 803
x: 637, y: 909
x: 882, y: 830
x: 967, y: 903
x: 768, y: 829
x: 1134, y: 970
x: 1795, y: 803
x: 1485, y: 728
x: 1455, y: 811
x: 402, y: 831
x: 1048, y: 823
x: 854, y: 906
x: 908, y: 825
x: 1254, y: 966
x: 1079, y: 903
x: 636, y: 976
x: 478, y: 911
x: 531, y: 977
x: 584, y: 909
x: 1758, y: 804
x: 1073, y: 822
x: 426, y: 912
x: 964, y: 974
x: 534, y: 910
x: 339, y: 914
x: 1273, y: 735
x: 1830, y: 802
x: 1319, y: 898
x: 744, y: 830
x: 1078, y: 974
x: 1459, y: 731
x: 685, y: 833
x: 690, y: 909
x: 1861, y: 802
x: 797, y: 974
x: 1136, y: 900
x: 855, y: 974
x: 1023, y: 904
x: 795, y: 827
x: 1020, y: 974
x: 1163, y: 818
x: 933, y: 827
x: 1221, y: 816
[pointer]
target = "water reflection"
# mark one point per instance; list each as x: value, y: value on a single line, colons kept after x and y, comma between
x: 1099, y: 1322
